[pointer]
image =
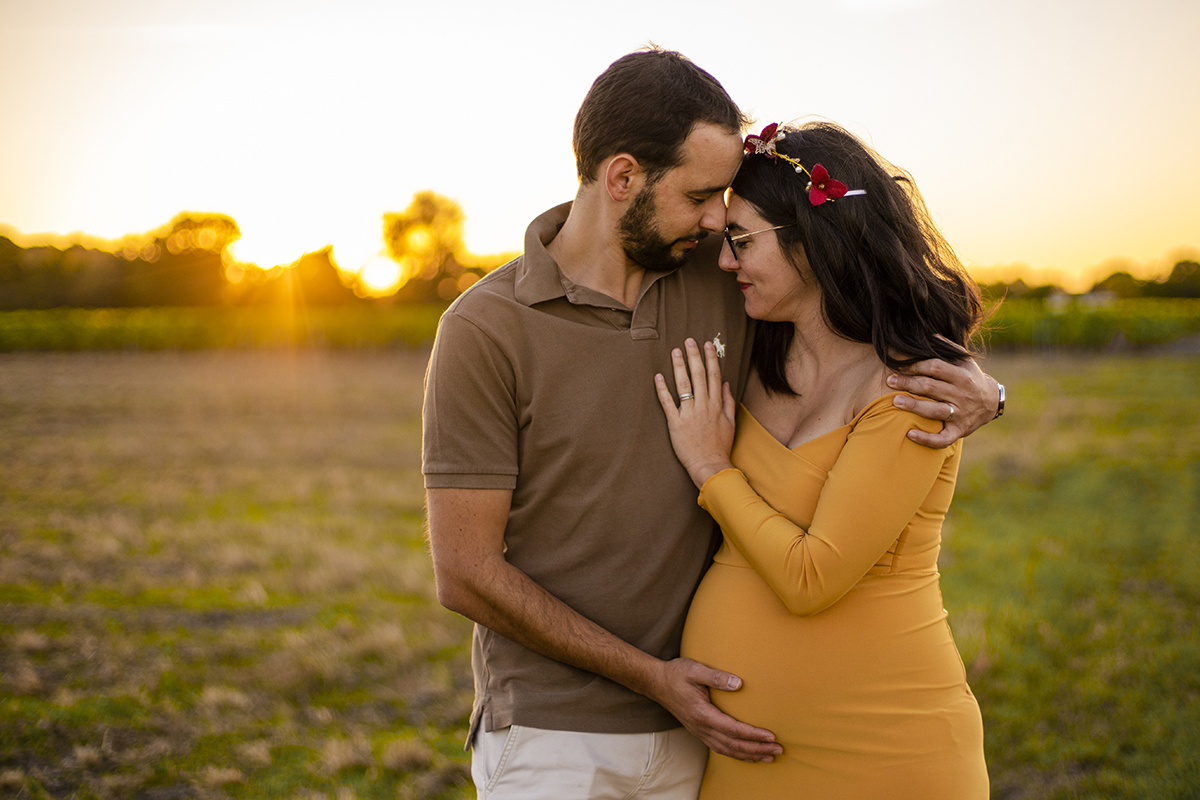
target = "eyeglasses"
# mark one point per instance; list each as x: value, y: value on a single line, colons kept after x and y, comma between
x: 731, y: 239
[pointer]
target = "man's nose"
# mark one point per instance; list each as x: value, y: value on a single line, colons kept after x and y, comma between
x: 713, y: 219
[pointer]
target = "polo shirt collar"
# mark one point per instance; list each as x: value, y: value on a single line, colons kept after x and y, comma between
x: 538, y: 277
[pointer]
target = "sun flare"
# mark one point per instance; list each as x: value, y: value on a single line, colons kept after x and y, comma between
x: 381, y: 275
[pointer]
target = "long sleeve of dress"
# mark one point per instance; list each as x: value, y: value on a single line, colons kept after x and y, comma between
x: 878, y: 483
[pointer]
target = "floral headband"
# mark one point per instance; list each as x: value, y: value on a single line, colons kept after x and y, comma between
x: 821, y: 187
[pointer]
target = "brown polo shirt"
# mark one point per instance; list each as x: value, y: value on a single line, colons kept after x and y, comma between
x: 545, y: 387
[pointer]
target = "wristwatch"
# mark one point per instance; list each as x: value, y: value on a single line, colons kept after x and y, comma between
x: 1000, y: 407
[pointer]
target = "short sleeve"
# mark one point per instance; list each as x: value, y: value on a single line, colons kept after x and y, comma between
x: 469, y: 432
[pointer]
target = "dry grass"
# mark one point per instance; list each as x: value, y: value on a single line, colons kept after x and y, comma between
x: 214, y: 581
x: 1070, y: 571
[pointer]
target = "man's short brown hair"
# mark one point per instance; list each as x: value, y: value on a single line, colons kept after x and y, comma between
x: 645, y: 104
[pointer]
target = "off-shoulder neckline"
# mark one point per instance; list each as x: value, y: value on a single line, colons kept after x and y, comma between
x: 849, y: 424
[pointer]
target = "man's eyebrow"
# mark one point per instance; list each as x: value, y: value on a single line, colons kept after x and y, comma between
x: 712, y: 190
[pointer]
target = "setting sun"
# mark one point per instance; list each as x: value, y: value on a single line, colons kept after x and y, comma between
x: 308, y: 124
x: 328, y: 368
x: 381, y: 275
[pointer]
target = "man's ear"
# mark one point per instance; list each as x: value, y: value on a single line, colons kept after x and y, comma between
x: 623, y: 177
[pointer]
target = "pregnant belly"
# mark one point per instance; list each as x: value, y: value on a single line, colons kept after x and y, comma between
x: 881, y: 657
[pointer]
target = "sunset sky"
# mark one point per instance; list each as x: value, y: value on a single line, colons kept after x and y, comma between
x: 1059, y: 135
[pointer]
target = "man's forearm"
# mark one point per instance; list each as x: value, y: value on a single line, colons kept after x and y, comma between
x: 506, y: 600
x: 466, y: 537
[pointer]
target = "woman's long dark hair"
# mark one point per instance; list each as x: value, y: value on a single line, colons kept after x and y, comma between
x: 887, y: 276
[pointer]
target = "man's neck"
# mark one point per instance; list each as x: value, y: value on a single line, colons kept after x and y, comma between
x: 588, y: 251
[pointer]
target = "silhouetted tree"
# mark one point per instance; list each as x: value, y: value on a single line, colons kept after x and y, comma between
x: 426, y: 240
x: 1184, y: 281
x: 182, y: 264
x: 319, y: 280
x: 11, y: 273
x: 1122, y: 284
x: 310, y: 281
x: 32, y: 277
x: 1015, y: 290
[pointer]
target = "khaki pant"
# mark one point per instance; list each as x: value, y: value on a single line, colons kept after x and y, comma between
x: 520, y: 763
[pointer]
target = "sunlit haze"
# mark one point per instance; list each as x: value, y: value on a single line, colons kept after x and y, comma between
x: 1056, y: 135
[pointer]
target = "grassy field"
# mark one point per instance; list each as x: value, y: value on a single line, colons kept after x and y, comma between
x: 1123, y: 325
x: 1072, y: 574
x: 213, y: 580
x: 164, y: 328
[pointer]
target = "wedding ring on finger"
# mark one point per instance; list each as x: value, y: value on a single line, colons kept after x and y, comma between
x: 686, y: 396
x: 950, y: 416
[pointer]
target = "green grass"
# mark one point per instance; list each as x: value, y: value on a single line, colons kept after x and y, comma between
x: 1016, y: 325
x: 1075, y: 324
x: 214, y: 581
x: 223, y: 327
x: 1071, y: 572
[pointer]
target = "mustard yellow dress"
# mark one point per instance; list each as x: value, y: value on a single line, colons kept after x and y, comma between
x: 824, y: 599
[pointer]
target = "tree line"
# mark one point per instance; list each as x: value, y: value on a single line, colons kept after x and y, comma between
x: 188, y: 262
x: 1182, y: 281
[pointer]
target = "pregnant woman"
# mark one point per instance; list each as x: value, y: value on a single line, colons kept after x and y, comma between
x: 824, y: 596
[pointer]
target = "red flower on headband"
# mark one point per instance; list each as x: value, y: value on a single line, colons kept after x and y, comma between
x: 824, y: 187
x: 764, y: 143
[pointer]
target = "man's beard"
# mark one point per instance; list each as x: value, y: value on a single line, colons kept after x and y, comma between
x: 640, y: 239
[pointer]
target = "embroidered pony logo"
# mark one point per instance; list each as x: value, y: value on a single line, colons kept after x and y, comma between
x: 719, y: 345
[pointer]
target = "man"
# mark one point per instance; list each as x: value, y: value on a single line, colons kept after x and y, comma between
x: 559, y: 519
